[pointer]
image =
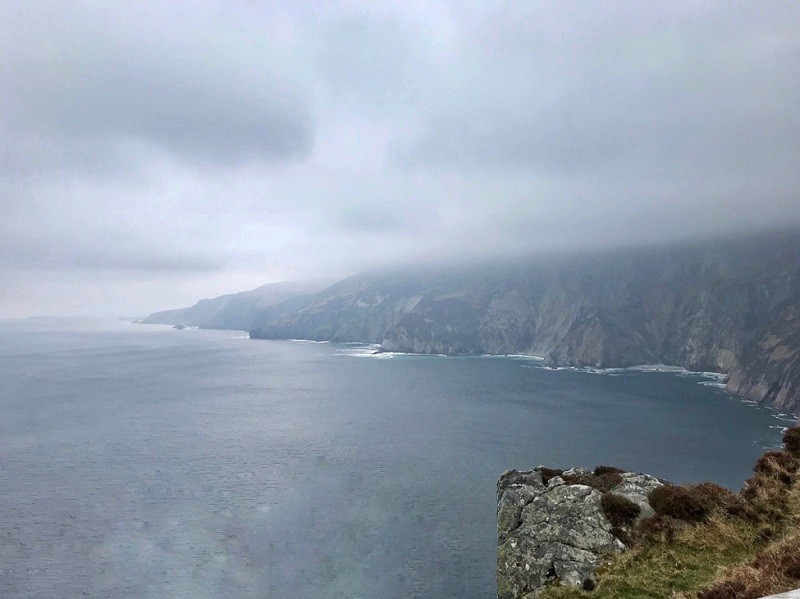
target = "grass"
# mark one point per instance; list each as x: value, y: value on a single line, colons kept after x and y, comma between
x: 746, y: 545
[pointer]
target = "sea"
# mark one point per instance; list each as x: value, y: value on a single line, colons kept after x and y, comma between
x: 140, y: 461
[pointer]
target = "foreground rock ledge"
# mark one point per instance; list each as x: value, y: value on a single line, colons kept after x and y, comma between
x: 556, y: 530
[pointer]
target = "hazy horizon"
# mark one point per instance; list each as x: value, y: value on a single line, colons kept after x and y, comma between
x: 158, y: 153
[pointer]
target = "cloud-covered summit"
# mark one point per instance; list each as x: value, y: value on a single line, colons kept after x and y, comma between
x: 156, y: 152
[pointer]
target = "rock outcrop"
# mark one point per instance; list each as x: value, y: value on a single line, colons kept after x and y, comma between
x: 551, y: 528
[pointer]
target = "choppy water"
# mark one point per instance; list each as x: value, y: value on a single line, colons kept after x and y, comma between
x: 140, y: 461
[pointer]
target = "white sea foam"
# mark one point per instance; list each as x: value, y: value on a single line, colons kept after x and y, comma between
x: 785, y: 418
x: 707, y: 379
x: 717, y: 384
x: 371, y: 350
x: 657, y: 368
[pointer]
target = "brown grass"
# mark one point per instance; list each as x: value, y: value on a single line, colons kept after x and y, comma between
x: 773, y: 570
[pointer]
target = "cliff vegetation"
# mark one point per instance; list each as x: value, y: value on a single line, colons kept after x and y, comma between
x: 705, y: 542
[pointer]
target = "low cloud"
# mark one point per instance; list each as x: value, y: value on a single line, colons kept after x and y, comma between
x: 209, y: 148
x: 95, y: 79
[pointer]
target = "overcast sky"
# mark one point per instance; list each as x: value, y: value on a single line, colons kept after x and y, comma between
x: 152, y: 153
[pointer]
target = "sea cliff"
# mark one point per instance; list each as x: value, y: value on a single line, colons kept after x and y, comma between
x: 730, y: 306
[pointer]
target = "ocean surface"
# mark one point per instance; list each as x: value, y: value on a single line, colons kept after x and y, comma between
x: 142, y: 461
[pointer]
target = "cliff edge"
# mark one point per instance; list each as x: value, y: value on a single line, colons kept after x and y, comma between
x: 562, y: 525
x: 609, y: 534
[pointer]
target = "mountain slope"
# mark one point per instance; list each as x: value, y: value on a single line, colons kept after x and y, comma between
x: 731, y: 306
x: 241, y: 311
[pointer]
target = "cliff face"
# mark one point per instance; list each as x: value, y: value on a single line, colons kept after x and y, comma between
x: 731, y: 306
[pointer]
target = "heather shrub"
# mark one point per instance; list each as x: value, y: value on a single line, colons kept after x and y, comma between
x: 601, y: 470
x: 657, y: 529
x: 785, y: 562
x: 683, y: 503
x: 740, y: 508
x: 729, y: 589
x: 773, y: 570
x: 548, y: 473
x: 602, y: 482
x: 694, y: 503
x: 624, y: 535
x: 775, y: 463
x: 619, y: 510
x: 716, y: 497
x: 791, y: 441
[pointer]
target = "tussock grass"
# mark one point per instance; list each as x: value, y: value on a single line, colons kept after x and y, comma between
x: 708, y: 543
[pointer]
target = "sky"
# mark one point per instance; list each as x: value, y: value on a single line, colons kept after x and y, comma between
x: 153, y: 153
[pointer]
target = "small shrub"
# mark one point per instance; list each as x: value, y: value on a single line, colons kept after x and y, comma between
x: 676, y: 501
x: 623, y: 535
x: 548, y: 473
x: 602, y: 482
x: 785, y: 561
x: 766, y: 500
x: 601, y: 470
x: 791, y: 440
x: 766, y: 533
x: 775, y: 463
x: 657, y: 528
x: 619, y: 510
x: 714, y: 496
x: 739, y: 508
x: 729, y: 589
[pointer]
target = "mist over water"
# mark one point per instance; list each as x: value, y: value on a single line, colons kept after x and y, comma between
x: 140, y: 461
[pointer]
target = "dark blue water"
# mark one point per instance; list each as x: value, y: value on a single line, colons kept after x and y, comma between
x: 140, y: 461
